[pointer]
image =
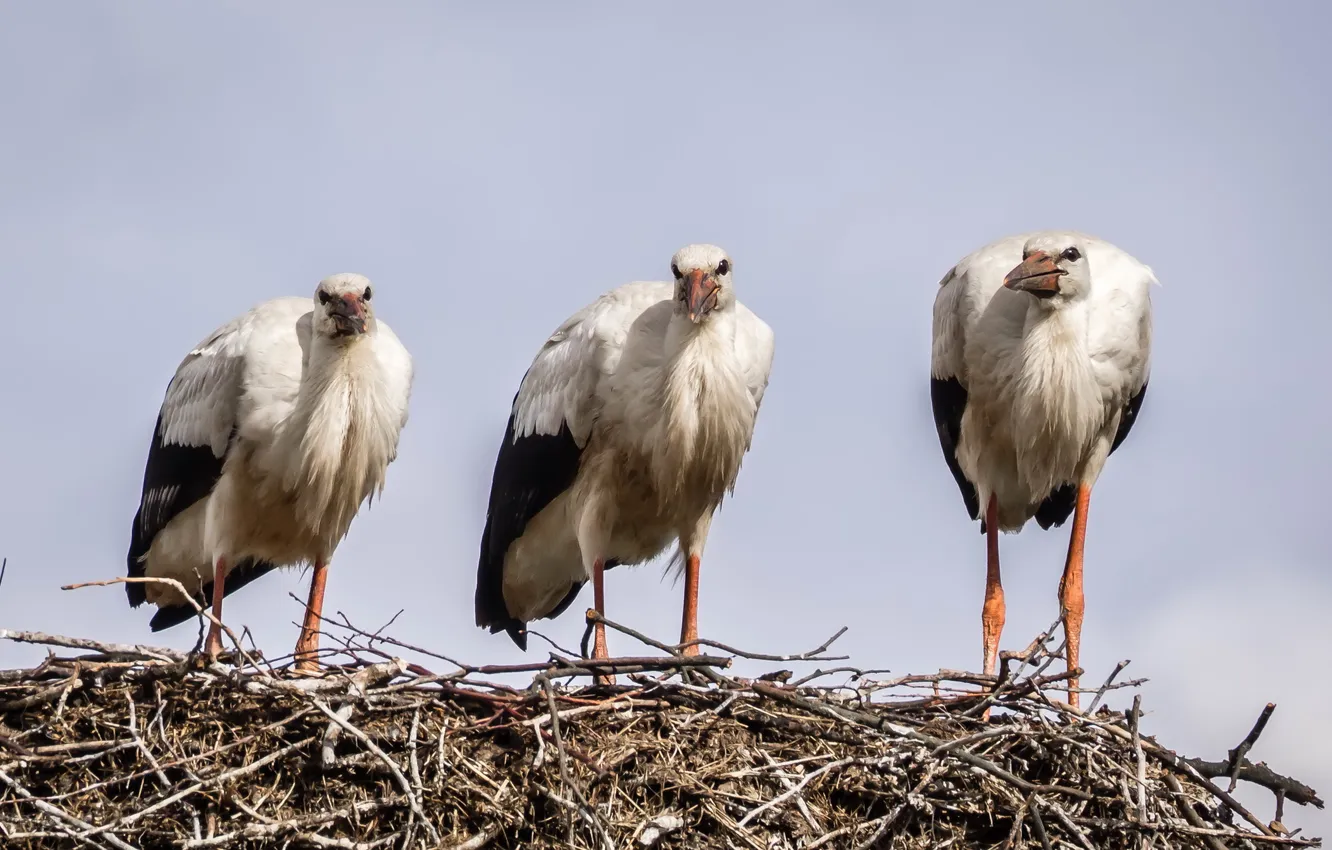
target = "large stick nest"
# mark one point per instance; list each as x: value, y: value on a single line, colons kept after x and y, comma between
x: 129, y: 746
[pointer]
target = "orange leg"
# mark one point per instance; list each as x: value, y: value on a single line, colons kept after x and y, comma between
x: 213, y: 645
x: 599, y: 600
x: 307, y: 645
x: 1071, y: 601
x: 992, y: 612
x: 689, y: 622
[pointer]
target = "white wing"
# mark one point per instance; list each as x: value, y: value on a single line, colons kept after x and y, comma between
x: 201, y: 411
x: 964, y: 293
x: 754, y: 343
x: 201, y: 400
x: 1120, y: 334
x: 398, y: 372
x: 561, y: 385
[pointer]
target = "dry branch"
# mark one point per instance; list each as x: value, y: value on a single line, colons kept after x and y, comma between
x: 130, y: 746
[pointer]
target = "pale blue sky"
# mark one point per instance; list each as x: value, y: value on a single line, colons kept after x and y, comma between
x: 163, y: 166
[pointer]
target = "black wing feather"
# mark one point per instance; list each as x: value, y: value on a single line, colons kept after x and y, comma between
x: 1130, y: 416
x: 175, y: 478
x: 237, y: 577
x: 530, y: 473
x: 949, y: 398
x: 1058, y: 506
x: 569, y: 597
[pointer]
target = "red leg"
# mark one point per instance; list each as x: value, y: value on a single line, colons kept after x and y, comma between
x: 992, y: 612
x: 599, y: 600
x: 213, y: 645
x: 307, y: 645
x: 689, y: 622
x: 1071, y: 601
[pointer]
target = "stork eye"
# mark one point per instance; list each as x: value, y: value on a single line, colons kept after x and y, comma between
x: 675, y: 270
x: 366, y: 295
x: 324, y: 297
x: 1072, y: 255
x: 723, y: 267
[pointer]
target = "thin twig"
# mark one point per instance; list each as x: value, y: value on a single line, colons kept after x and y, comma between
x: 388, y: 762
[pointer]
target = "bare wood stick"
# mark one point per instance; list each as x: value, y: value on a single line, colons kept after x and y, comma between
x: 906, y: 732
x: 1069, y: 825
x: 1205, y: 770
x: 476, y: 842
x: 388, y: 762
x: 1018, y: 817
x: 589, y: 813
x: 901, y: 807
x: 60, y: 815
x: 1237, y: 755
x: 1187, y: 810
x: 789, y: 783
x: 1038, y: 825
x: 815, y: 654
x: 1141, y: 757
x: 45, y: 695
x: 226, y: 776
x: 799, y: 786
x: 1258, y: 774
x: 594, y: 617
x: 1091, y: 709
x: 170, y: 582
x: 125, y: 649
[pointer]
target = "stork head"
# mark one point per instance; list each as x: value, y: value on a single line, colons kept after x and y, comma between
x: 342, y: 306
x: 702, y: 281
x: 1053, y: 270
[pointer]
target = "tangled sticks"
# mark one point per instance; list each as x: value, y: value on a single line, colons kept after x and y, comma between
x: 130, y: 746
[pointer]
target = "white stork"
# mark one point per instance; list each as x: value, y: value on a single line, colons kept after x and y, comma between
x: 1040, y: 363
x: 274, y: 430
x: 626, y: 432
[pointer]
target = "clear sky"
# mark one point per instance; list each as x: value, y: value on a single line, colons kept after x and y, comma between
x: 164, y: 166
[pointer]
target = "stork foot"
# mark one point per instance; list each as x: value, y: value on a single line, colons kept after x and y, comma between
x: 599, y: 630
x: 213, y: 644
x: 599, y: 651
x: 307, y: 663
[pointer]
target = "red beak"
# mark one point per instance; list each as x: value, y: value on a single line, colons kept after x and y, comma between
x: 700, y: 294
x: 1036, y: 274
x: 348, y: 314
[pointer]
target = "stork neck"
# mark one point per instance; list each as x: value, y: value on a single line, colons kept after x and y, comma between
x: 328, y: 359
x: 340, y: 437
x: 1058, y: 331
x: 705, y: 412
x: 329, y: 374
x: 1057, y: 369
x: 684, y: 336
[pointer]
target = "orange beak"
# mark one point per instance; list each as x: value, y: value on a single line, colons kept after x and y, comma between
x: 700, y: 292
x: 1037, y: 274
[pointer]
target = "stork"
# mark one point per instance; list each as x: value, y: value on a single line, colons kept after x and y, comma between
x: 1038, y: 371
x: 274, y: 430
x: 626, y: 432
